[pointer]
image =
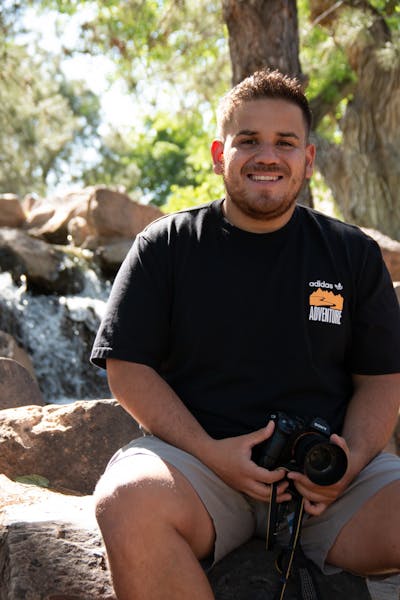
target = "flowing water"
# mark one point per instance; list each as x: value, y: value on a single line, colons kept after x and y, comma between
x: 57, y: 332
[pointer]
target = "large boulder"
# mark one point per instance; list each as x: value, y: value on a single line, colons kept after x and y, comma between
x: 51, y: 549
x: 68, y: 445
x: 90, y: 217
x: 114, y: 215
x: 47, y: 269
x: 50, y: 546
x: 49, y: 217
x: 11, y: 212
x: 17, y: 386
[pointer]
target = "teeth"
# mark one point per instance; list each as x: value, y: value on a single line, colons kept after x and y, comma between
x: 265, y: 177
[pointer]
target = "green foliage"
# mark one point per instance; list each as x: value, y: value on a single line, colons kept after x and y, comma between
x: 210, y: 188
x: 173, y: 54
x: 179, y: 43
x: 170, y: 150
x: 42, y: 117
x: 327, y: 69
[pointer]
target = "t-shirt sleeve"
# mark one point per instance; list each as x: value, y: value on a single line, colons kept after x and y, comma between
x: 135, y: 326
x: 375, y: 347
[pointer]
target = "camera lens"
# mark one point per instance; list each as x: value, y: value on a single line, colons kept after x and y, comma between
x: 319, y: 458
x: 325, y: 463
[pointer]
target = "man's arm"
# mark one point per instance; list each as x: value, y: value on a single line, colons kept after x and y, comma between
x: 154, y: 404
x: 370, y: 419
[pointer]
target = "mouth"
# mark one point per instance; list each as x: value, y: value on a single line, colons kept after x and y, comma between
x: 262, y: 178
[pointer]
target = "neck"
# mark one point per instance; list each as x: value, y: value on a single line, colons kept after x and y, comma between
x: 253, y: 225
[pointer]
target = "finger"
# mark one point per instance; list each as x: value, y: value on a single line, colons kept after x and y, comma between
x: 315, y: 496
x: 314, y: 508
x: 259, y: 491
x: 304, y: 481
x: 339, y: 441
x: 287, y: 497
x: 267, y: 476
x: 256, y: 437
x: 282, y: 487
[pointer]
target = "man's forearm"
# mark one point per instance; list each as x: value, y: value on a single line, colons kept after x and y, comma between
x: 371, y: 417
x: 153, y: 404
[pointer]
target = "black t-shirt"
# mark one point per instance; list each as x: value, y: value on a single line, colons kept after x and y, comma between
x: 240, y: 324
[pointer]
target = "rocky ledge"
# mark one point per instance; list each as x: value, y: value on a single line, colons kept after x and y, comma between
x: 50, y: 546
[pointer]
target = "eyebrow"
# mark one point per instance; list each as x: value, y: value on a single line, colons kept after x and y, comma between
x: 284, y: 134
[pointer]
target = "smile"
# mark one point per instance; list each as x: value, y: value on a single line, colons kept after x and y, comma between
x: 264, y: 177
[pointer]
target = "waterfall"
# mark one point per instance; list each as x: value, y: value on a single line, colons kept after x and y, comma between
x: 57, y: 332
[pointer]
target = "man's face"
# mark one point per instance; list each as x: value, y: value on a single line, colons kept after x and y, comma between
x: 264, y: 160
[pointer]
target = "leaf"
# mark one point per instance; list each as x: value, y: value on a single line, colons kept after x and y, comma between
x: 33, y: 480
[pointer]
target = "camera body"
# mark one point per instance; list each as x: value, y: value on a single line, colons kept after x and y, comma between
x: 302, y: 445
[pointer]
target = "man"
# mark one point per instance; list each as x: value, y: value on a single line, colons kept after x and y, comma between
x: 223, y: 313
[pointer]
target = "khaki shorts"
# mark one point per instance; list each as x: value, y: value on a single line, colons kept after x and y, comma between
x: 237, y: 518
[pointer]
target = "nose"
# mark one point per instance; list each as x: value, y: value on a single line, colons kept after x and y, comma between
x: 266, y: 153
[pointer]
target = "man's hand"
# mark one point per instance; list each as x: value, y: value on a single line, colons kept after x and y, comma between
x: 230, y: 459
x: 318, y: 497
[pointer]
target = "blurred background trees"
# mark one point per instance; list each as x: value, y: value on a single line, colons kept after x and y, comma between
x: 176, y: 58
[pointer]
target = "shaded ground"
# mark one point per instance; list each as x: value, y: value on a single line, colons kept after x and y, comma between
x: 249, y: 574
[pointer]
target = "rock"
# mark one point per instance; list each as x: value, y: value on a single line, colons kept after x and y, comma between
x: 113, y: 215
x: 11, y: 211
x: 49, y: 218
x: 89, y: 217
x: 110, y: 257
x: 47, y: 269
x: 17, y: 387
x: 249, y: 573
x: 69, y: 445
x: 51, y: 547
x: 10, y: 349
x: 78, y: 231
x: 390, y: 251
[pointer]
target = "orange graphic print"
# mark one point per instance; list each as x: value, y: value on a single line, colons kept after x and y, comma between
x: 326, y: 299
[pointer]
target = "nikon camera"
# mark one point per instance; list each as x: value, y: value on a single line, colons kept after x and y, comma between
x: 300, y: 445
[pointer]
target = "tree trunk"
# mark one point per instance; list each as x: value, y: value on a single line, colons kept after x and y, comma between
x: 364, y: 171
x: 262, y: 33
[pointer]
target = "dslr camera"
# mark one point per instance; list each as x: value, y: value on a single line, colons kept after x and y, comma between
x: 300, y: 445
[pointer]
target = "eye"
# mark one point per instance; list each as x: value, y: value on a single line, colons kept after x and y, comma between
x: 248, y: 142
x: 285, y: 143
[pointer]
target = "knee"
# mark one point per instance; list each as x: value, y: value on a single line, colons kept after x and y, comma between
x: 121, y: 508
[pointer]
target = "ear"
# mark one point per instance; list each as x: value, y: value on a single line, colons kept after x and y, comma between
x: 310, y: 158
x: 217, y: 153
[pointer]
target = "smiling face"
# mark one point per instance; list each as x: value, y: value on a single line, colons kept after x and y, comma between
x: 264, y: 160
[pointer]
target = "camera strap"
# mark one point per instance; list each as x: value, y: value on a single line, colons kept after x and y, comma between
x: 286, y: 559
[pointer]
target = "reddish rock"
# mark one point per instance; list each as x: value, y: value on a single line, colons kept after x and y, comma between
x: 11, y: 212
x: 69, y: 445
x: 17, y: 386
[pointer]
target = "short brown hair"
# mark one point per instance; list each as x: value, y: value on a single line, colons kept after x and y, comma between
x: 263, y: 84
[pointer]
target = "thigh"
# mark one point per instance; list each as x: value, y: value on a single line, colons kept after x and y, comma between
x: 144, y: 495
x: 230, y: 512
x: 369, y: 543
x: 320, y: 534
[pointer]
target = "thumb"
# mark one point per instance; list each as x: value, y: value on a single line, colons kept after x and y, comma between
x: 339, y: 441
x: 256, y: 437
